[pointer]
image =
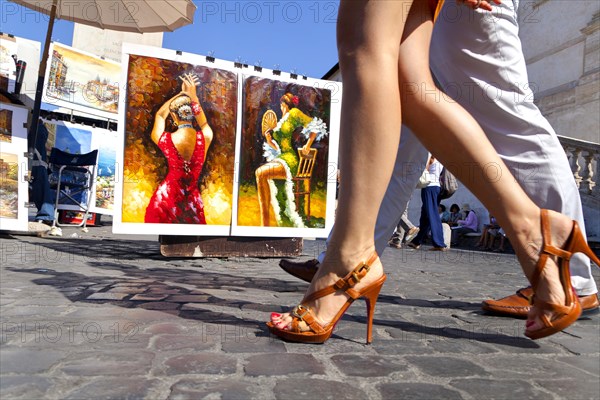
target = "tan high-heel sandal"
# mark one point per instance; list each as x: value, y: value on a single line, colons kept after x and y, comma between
x: 563, y: 314
x: 318, y: 333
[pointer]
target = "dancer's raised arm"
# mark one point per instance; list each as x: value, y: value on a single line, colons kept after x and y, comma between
x: 188, y: 87
x: 160, y: 119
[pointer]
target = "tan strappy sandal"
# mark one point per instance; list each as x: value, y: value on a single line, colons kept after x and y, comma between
x: 318, y: 333
x: 565, y: 314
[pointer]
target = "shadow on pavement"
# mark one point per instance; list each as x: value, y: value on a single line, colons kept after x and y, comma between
x: 485, y: 333
x: 191, y: 293
x: 176, y: 288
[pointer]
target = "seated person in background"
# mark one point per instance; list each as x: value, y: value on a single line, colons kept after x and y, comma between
x: 454, y: 215
x: 489, y: 234
x: 467, y: 225
x: 444, y: 213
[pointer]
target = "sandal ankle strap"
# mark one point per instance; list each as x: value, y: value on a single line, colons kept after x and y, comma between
x: 547, y: 246
x: 547, y: 249
x: 303, y: 313
x: 346, y: 283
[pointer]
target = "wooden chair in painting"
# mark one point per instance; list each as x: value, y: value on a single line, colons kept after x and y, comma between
x: 306, y: 164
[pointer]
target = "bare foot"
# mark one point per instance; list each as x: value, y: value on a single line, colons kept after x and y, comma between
x: 326, y: 308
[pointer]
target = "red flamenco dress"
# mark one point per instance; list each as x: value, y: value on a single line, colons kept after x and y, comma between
x: 177, y: 199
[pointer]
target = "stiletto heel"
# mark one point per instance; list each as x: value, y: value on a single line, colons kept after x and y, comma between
x: 317, y: 333
x: 567, y: 313
x: 580, y: 245
x: 371, y: 300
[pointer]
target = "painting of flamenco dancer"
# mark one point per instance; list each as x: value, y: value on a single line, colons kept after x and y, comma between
x: 285, y: 161
x: 177, y: 199
x: 179, y: 145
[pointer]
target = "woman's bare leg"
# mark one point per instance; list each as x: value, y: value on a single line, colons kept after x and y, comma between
x: 369, y: 34
x: 370, y: 126
x: 453, y: 136
x: 483, y: 238
x: 489, y: 241
x: 272, y: 170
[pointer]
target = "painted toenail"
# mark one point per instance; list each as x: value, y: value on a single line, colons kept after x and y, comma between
x: 529, y: 324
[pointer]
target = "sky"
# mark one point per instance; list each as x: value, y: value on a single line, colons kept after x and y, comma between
x: 293, y: 36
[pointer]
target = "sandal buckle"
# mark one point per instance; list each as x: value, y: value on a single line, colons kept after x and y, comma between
x: 365, y: 267
x: 300, y: 311
x: 358, y: 270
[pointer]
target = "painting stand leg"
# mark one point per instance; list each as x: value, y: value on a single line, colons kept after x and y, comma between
x: 231, y: 246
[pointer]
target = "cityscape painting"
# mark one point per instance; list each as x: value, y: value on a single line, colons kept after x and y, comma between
x: 9, y: 185
x: 104, y: 185
x: 82, y: 81
x: 8, y: 67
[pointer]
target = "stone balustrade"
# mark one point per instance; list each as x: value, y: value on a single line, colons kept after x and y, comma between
x: 584, y: 159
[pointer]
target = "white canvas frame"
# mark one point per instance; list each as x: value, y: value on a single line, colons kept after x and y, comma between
x: 334, y: 129
x: 98, y: 134
x: 152, y: 228
x: 233, y: 229
x: 95, y: 111
x: 17, y: 146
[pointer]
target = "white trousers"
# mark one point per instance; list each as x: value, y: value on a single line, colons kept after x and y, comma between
x: 478, y: 60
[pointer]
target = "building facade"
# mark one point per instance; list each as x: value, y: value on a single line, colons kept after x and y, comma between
x: 58, y: 72
x: 561, y: 43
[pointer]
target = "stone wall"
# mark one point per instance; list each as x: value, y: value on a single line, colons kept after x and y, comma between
x: 561, y: 43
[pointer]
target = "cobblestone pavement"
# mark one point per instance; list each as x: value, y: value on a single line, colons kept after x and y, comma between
x: 107, y: 317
